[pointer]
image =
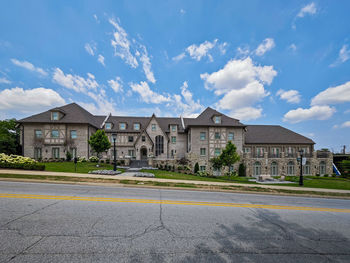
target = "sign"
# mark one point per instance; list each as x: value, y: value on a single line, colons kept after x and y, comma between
x: 303, y: 161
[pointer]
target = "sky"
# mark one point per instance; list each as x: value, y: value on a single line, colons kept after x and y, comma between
x: 262, y: 62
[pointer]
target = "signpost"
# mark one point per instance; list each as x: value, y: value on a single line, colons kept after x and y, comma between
x: 75, y: 163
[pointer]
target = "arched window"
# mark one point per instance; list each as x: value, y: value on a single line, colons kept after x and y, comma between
x: 159, y: 145
x: 257, y: 169
x: 307, y: 168
x: 274, y: 169
x: 290, y: 168
x: 322, y: 168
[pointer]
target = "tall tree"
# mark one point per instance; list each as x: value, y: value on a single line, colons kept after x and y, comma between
x: 99, y: 142
x: 228, y: 157
x: 9, y: 137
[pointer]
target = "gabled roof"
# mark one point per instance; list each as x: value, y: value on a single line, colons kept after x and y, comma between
x: 116, y: 120
x: 73, y: 113
x: 273, y: 134
x: 206, y: 119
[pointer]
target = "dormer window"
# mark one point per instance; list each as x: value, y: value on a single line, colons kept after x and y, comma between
x: 217, y: 119
x: 136, y: 126
x: 173, y: 128
x: 122, y: 126
x: 108, y: 126
x: 54, y: 116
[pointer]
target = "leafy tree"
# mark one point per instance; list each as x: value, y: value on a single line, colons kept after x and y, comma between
x: 99, y: 142
x: 9, y: 137
x: 241, y: 170
x: 196, y: 168
x: 229, y: 155
x: 216, y: 162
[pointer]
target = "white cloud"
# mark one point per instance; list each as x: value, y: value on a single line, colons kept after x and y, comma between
x: 179, y: 57
x: 96, y: 18
x: 182, y: 11
x: 243, y: 51
x: 101, y: 59
x: 146, y: 65
x: 247, y: 113
x: 333, y: 95
x: 116, y: 84
x: 29, y: 66
x: 222, y: 48
x: 344, y: 55
x: 197, y: 52
x: 147, y: 95
x: 291, y: 96
x: 75, y: 82
x: 265, y: 46
x: 185, y: 105
x: 293, y: 47
x: 241, y: 83
x: 346, y: 124
x: 90, y: 48
x: 4, y: 80
x: 309, y: 9
x: 121, y: 45
x: 313, y: 113
x: 29, y: 100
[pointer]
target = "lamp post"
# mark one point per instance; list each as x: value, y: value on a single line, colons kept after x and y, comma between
x: 114, y: 137
x: 301, y: 183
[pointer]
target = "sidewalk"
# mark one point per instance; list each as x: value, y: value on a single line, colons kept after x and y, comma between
x: 129, y: 176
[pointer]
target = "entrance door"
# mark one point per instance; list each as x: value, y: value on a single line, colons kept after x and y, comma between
x: 143, y: 153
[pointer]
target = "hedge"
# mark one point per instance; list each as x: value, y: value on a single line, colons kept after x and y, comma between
x: 24, y: 166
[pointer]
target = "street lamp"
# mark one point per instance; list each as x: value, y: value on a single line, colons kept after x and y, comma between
x: 114, y: 137
x: 301, y: 183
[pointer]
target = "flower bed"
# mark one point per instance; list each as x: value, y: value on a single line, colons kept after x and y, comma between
x: 19, y: 162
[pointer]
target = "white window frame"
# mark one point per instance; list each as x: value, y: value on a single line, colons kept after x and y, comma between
x: 71, y: 134
x: 137, y: 126
x: 122, y: 126
x: 204, y: 150
x: 200, y: 136
x: 58, y: 134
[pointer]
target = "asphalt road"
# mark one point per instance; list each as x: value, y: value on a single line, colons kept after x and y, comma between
x: 76, y: 223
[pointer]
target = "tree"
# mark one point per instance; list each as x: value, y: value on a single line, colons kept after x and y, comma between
x: 99, y: 142
x: 9, y: 137
x: 241, y: 170
x: 196, y: 168
x: 229, y: 155
x: 216, y: 162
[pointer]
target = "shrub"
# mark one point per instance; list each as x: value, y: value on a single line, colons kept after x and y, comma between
x: 196, y: 168
x: 326, y: 175
x: 173, y: 168
x: 183, y: 161
x: 68, y: 156
x: 102, y: 161
x: 161, y: 167
x: 180, y: 168
x: 93, y: 159
x: 203, y: 174
x: 19, y: 162
x: 82, y: 159
x: 317, y: 174
x: 108, y: 161
x: 241, y: 170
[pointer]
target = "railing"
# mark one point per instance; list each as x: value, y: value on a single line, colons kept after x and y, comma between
x: 275, y: 155
x: 291, y: 155
x: 322, y: 154
x: 258, y: 155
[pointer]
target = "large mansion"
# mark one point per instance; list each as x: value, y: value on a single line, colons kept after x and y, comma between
x: 264, y: 149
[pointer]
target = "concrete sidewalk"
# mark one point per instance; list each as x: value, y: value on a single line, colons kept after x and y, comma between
x: 129, y: 176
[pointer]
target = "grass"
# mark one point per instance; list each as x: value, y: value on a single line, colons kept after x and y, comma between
x: 180, y: 176
x: 321, y: 182
x: 83, y: 167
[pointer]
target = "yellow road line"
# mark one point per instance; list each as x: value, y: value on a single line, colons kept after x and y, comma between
x: 170, y: 202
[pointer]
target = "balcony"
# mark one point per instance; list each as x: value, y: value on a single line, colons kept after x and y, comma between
x: 291, y: 155
x: 275, y: 155
x: 258, y: 155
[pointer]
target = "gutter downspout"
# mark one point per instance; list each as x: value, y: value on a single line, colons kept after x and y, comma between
x: 88, y: 146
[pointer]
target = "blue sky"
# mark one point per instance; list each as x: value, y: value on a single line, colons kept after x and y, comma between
x: 263, y: 62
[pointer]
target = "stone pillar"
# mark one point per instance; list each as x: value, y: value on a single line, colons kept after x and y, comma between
x: 150, y: 161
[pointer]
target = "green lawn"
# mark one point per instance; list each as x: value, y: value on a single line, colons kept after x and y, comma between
x: 321, y: 182
x: 81, y: 167
x: 181, y: 176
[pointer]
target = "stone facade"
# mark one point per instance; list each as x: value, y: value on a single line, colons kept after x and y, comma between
x: 167, y: 140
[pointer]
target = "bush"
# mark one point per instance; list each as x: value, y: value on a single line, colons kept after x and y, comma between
x: 180, y: 168
x: 102, y: 161
x: 19, y: 162
x: 183, y: 161
x: 241, y: 170
x: 173, y: 168
x: 326, y: 175
x: 196, y: 168
x: 161, y: 167
x: 203, y: 174
x: 93, y: 159
x: 82, y: 159
x: 108, y: 161
x: 68, y: 156
x: 317, y: 174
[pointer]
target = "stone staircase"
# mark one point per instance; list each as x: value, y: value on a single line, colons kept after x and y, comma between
x: 138, y: 163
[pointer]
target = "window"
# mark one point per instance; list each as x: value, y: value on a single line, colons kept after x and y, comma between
x: 217, y: 136
x: 202, y: 168
x: 131, y: 153
x: 74, y: 152
x: 54, y: 134
x: 108, y: 125
x: 259, y: 152
x: 246, y: 150
x: 143, y: 138
x: 217, y: 119
x: 54, y: 116
x: 257, y: 169
x: 217, y: 151
x: 307, y: 168
x: 73, y: 134
x: 37, y: 153
x: 159, y: 145
x: 136, y: 126
x: 274, y: 169
x: 275, y: 152
x: 122, y: 126
x: 153, y: 127
x: 230, y: 136
x: 173, y: 139
x: 172, y: 153
x: 55, y: 153
x: 130, y: 138
x: 173, y: 128
x: 202, y: 136
x: 38, y: 134
x: 290, y: 168
x: 322, y: 168
x: 203, y: 151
